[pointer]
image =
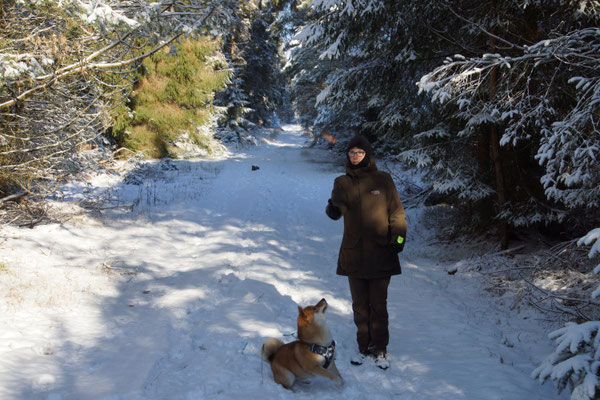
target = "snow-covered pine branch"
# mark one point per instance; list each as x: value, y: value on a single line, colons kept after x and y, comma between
x: 66, y: 64
x: 576, y: 361
x: 592, y: 238
x: 365, y: 53
x: 173, y: 18
x: 87, y: 64
x: 568, y: 139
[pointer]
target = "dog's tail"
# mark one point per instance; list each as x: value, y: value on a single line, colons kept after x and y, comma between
x: 269, y: 348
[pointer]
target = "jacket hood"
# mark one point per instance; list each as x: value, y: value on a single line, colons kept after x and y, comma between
x: 362, y: 143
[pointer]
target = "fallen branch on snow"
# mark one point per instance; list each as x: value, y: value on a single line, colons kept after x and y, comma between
x: 13, y: 197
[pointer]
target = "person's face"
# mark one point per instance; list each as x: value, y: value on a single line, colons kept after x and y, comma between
x: 356, y: 155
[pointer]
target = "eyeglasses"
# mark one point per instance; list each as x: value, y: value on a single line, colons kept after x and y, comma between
x: 356, y: 153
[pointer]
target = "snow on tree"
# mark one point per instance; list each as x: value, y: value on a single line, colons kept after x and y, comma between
x: 64, y: 66
x: 373, y: 59
x: 112, y: 25
x: 262, y: 79
x: 257, y: 92
x: 546, y: 98
x: 540, y: 97
x: 306, y: 72
x: 575, y: 363
x: 568, y: 141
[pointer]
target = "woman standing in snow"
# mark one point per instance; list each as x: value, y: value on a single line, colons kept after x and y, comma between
x: 374, y: 234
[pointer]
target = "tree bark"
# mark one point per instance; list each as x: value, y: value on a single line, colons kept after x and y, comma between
x: 495, y: 149
x: 500, y: 193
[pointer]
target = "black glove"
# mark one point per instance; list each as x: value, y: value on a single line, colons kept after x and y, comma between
x: 332, y: 211
x: 398, y: 244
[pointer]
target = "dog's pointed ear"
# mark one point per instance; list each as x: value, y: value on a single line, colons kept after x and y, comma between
x: 300, y: 311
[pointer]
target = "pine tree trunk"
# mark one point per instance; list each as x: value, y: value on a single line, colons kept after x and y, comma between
x: 495, y: 150
x: 500, y: 193
x: 483, y: 151
x: 234, y: 41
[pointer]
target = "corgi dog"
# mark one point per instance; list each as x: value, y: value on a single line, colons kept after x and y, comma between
x: 312, y: 354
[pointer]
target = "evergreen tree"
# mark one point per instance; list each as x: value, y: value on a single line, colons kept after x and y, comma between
x: 66, y: 64
x: 375, y: 50
x: 257, y: 92
x: 530, y: 100
x: 234, y: 99
x: 261, y: 77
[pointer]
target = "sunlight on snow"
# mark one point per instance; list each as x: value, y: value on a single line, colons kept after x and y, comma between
x: 410, y: 265
x: 180, y: 297
x: 282, y: 144
x: 275, y: 243
x: 259, y: 328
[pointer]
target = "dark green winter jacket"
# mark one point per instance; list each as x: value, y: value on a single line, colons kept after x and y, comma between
x: 373, y: 219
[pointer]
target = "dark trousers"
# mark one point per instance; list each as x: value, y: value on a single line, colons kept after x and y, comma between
x: 369, y: 303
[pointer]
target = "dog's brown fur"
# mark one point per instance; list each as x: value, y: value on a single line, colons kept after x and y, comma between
x: 295, y: 360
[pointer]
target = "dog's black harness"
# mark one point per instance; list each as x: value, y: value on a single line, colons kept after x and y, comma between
x: 327, y: 352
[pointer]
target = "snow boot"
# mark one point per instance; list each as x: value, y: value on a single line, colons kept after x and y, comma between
x: 360, y: 357
x: 382, y: 362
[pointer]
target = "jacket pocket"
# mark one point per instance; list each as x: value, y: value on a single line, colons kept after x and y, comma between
x: 349, y: 260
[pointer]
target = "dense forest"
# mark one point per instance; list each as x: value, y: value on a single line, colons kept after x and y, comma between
x: 496, y: 102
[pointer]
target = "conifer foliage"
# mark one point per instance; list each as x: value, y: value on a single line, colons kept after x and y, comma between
x: 66, y: 64
x: 173, y: 100
x: 262, y: 78
x: 365, y: 52
x: 575, y: 364
x: 545, y: 96
x: 257, y: 94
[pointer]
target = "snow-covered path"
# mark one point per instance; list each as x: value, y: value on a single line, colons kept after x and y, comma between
x: 174, y: 299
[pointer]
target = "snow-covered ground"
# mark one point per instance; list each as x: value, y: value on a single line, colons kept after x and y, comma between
x: 169, y: 293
